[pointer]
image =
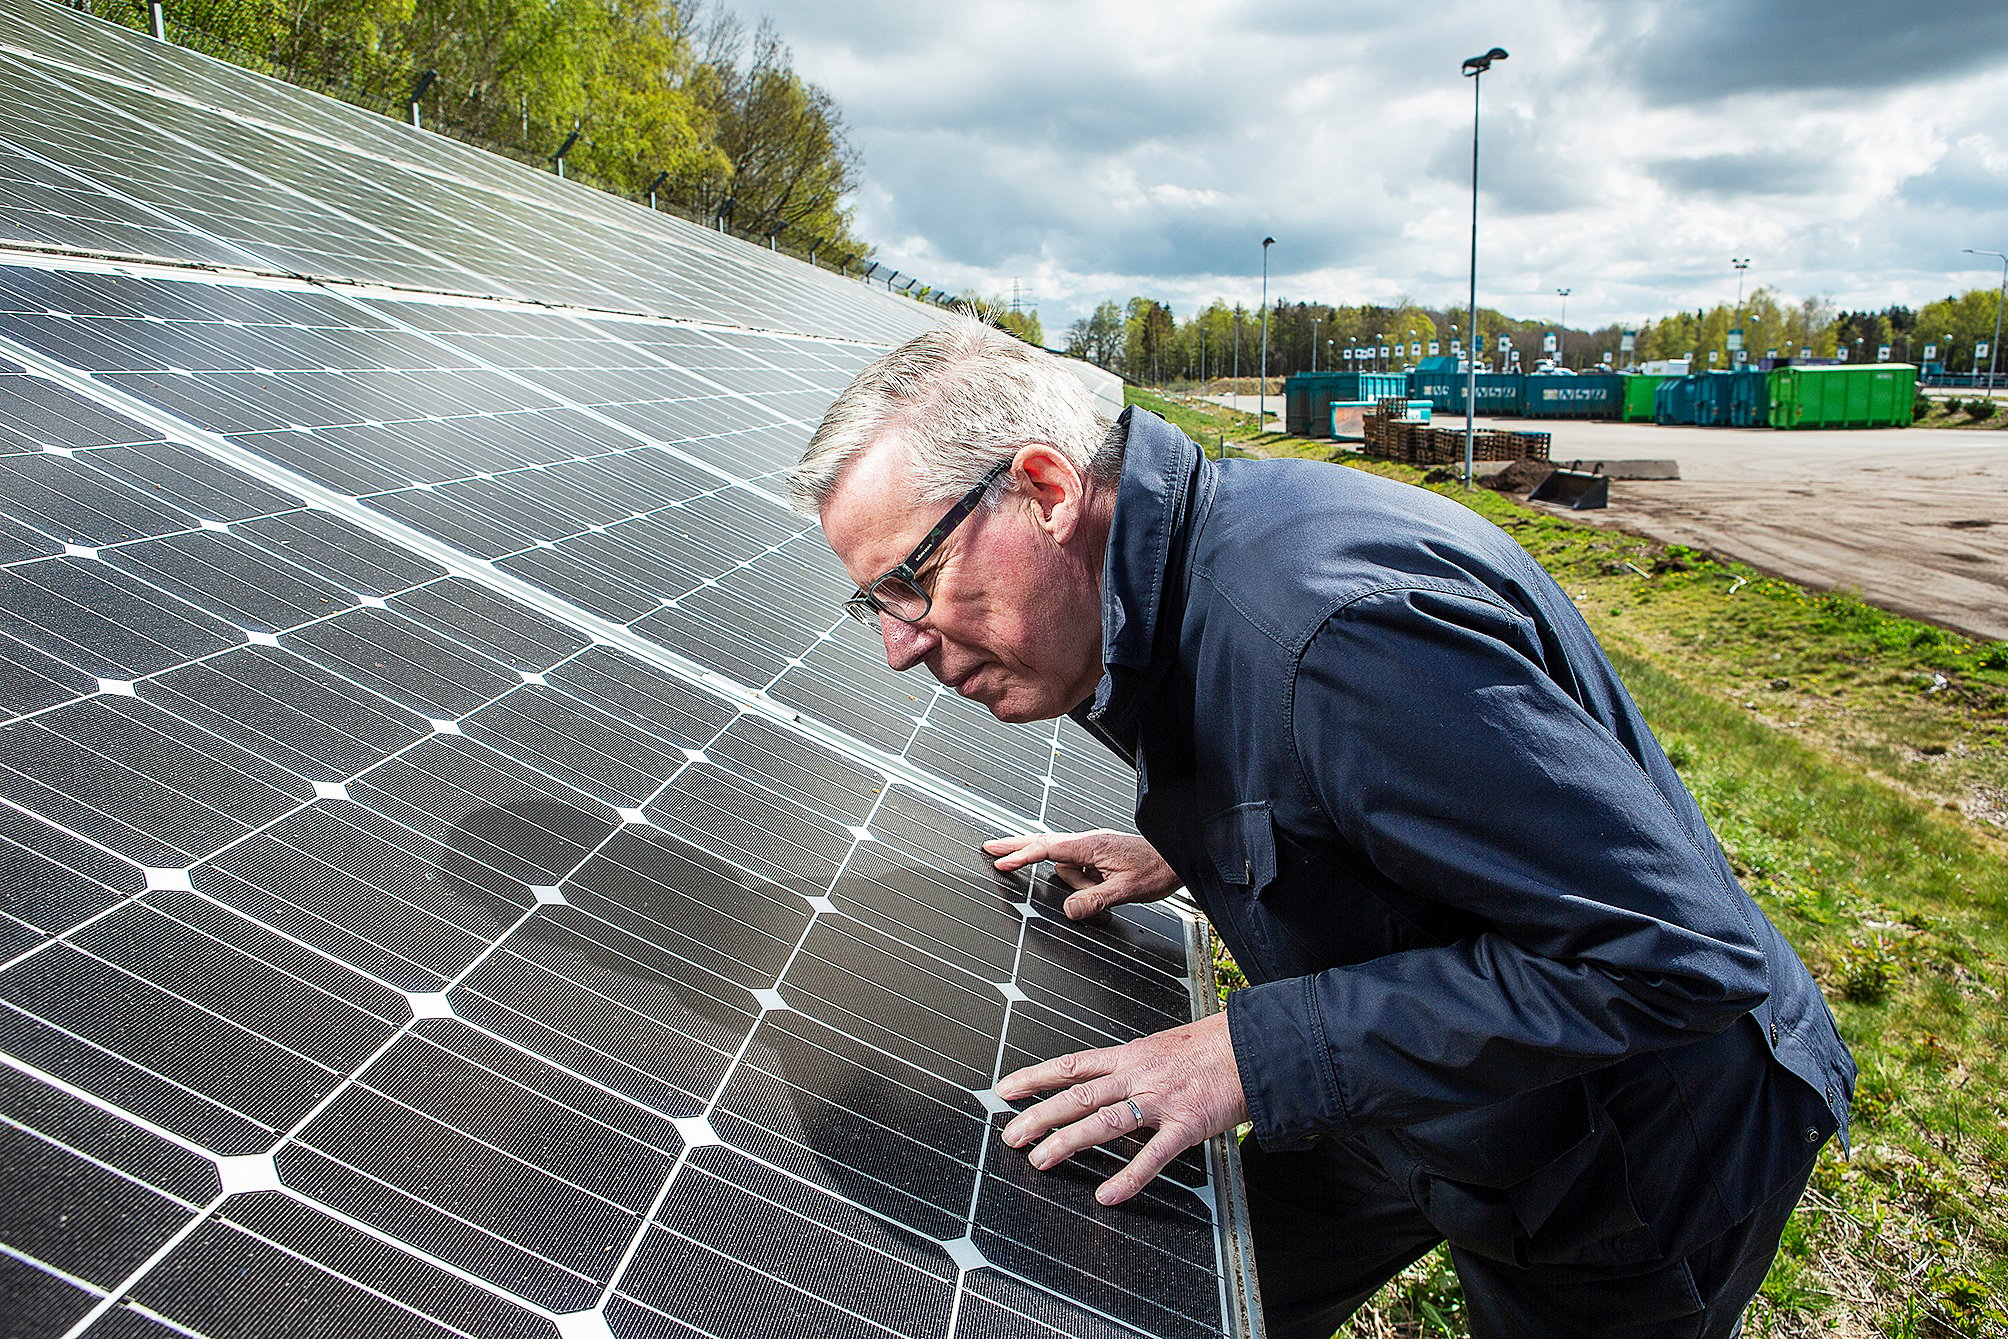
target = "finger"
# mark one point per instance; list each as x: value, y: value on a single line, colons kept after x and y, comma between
x: 1060, y: 1072
x: 1063, y: 1108
x: 1072, y: 847
x: 1109, y: 1120
x: 1142, y: 1169
x: 1077, y: 876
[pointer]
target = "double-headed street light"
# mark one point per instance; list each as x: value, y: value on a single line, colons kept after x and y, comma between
x: 1562, y: 331
x: 1994, y: 349
x: 1472, y: 69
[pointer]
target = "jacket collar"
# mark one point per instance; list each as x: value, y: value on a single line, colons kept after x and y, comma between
x: 1143, y: 570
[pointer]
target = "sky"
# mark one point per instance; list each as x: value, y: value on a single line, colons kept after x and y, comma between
x: 1098, y: 149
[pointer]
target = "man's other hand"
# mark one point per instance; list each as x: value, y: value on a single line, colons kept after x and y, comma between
x: 1104, y: 868
x: 1181, y: 1081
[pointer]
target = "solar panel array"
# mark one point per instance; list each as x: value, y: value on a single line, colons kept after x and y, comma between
x: 459, y: 873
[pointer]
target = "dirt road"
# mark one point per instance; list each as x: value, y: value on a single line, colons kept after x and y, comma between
x: 1915, y: 520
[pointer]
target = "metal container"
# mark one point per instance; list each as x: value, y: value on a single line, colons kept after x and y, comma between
x: 1498, y: 392
x: 1308, y: 397
x: 1675, y: 401
x: 1715, y: 397
x: 1749, y: 399
x: 1639, y: 395
x: 1878, y: 395
x: 1590, y: 395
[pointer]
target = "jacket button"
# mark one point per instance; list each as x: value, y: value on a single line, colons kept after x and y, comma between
x: 1774, y: 1032
x: 1812, y: 1135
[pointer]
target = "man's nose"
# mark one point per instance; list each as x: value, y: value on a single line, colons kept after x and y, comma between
x: 906, y: 644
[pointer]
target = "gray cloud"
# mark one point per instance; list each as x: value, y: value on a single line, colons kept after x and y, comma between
x: 1685, y: 51
x: 1759, y: 172
x: 1964, y: 178
x: 1101, y: 148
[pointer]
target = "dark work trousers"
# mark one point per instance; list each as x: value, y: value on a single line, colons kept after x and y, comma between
x: 1331, y: 1226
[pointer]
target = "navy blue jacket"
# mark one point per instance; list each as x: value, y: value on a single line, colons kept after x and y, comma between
x: 1488, y: 929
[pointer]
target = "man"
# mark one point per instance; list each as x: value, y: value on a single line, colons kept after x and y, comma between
x: 1506, y: 991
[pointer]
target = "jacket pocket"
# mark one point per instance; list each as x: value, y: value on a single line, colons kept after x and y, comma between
x: 1241, y: 843
x: 1536, y: 1180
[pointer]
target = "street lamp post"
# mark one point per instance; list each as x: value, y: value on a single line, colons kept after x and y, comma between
x: 1562, y: 330
x: 1314, y: 343
x: 1472, y: 69
x: 1262, y: 386
x: 1741, y: 263
x: 1994, y: 349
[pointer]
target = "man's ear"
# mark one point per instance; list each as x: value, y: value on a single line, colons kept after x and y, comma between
x: 1054, y: 488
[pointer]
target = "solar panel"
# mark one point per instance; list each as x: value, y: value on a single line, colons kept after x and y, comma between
x: 459, y: 873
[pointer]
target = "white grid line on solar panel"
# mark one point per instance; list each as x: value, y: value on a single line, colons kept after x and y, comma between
x: 615, y: 242
x: 227, y: 203
x: 1141, y: 1245
x: 792, y: 1287
x: 92, y: 217
x: 661, y: 1198
x: 348, y: 1279
x: 423, y: 545
x: 1117, y: 1328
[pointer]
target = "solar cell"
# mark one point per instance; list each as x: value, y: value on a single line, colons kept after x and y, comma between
x: 462, y: 874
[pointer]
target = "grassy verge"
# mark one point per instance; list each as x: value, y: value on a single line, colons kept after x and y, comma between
x: 1215, y: 427
x: 1972, y: 411
x: 1855, y: 766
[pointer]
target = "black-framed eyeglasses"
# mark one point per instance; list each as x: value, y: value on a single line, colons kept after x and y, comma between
x: 898, y: 592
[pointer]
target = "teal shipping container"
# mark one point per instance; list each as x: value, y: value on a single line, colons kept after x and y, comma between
x: 1591, y: 395
x: 1640, y: 397
x: 1498, y: 392
x: 1675, y: 401
x: 1308, y: 397
x: 1731, y: 399
x: 1749, y: 399
x: 1876, y: 395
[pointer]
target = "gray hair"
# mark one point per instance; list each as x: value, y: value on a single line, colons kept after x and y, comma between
x: 959, y: 398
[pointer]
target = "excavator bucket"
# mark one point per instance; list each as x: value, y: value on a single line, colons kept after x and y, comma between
x: 1575, y: 488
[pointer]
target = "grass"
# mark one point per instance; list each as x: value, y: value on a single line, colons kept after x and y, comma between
x: 1940, y: 416
x: 1854, y: 765
x: 1215, y: 427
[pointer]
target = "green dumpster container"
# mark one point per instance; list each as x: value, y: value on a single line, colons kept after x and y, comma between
x: 1640, y: 388
x: 1877, y: 395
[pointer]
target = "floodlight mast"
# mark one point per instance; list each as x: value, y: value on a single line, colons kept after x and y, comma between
x: 1562, y: 330
x: 1472, y: 69
x: 1994, y: 349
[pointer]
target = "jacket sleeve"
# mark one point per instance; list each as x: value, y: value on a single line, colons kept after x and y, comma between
x: 1434, y: 737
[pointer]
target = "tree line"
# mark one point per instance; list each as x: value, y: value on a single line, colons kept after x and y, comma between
x: 1145, y: 342
x: 679, y: 99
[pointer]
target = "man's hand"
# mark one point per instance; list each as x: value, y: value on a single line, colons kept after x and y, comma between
x: 1104, y: 868
x: 1182, y: 1081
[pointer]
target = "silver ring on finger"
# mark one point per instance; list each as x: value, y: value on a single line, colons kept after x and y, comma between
x: 1136, y: 1112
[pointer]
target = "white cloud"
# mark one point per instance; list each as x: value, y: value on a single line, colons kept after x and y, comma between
x: 1095, y: 149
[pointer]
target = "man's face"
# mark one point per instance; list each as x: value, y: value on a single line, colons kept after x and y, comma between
x: 1016, y: 616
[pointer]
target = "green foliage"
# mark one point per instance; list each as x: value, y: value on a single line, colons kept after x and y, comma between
x: 1980, y: 409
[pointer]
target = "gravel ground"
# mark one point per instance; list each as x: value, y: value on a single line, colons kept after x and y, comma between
x: 1915, y: 520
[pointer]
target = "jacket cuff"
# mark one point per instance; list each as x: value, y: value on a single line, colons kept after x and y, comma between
x: 1285, y: 1064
